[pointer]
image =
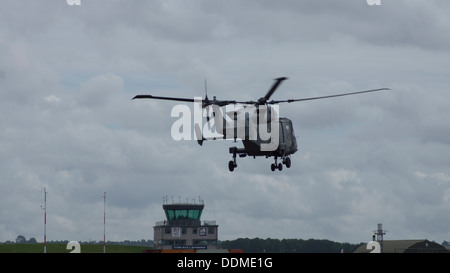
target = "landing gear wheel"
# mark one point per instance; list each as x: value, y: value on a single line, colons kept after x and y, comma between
x: 273, y: 167
x: 280, y: 166
x: 288, y: 162
x: 231, y: 165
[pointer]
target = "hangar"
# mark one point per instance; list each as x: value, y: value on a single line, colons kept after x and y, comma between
x: 406, y: 246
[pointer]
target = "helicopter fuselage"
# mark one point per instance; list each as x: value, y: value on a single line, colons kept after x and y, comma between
x: 287, y: 145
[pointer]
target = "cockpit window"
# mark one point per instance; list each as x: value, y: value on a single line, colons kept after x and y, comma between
x: 289, y: 129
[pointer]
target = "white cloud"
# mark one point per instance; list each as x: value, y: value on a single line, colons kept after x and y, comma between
x: 440, y: 177
x: 52, y: 99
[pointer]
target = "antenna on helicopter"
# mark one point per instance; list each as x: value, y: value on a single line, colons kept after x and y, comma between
x: 206, y: 89
x: 207, y: 108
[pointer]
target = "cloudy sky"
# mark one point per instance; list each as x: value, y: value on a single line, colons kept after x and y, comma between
x: 68, y: 73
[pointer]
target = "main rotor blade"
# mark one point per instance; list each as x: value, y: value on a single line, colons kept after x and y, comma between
x: 162, y: 98
x: 205, y: 102
x: 325, y: 97
x: 274, y: 87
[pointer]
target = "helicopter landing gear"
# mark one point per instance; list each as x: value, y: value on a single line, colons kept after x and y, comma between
x: 242, y: 152
x: 273, y: 167
x: 287, y: 162
x: 232, y: 164
x: 276, y: 165
x: 279, y: 166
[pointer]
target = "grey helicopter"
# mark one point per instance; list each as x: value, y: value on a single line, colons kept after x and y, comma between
x: 256, y: 123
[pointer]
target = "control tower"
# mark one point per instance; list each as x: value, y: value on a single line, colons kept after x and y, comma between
x: 183, y: 228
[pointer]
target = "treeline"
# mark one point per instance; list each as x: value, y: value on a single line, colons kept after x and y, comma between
x: 255, y: 245
x: 23, y: 240
x: 258, y: 245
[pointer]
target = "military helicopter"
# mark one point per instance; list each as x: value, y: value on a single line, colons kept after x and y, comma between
x: 251, y: 121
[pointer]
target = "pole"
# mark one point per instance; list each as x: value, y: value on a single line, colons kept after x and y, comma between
x: 45, y: 220
x: 104, y: 222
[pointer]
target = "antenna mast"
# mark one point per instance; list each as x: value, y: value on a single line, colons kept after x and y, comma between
x: 378, y: 235
x: 104, y: 222
x: 45, y: 220
x: 206, y: 90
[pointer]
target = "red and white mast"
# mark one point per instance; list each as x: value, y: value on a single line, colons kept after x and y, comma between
x: 45, y: 220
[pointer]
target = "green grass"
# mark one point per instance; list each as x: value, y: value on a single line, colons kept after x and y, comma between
x: 61, y: 248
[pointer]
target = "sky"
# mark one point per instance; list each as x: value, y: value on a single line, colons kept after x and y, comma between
x: 68, y: 122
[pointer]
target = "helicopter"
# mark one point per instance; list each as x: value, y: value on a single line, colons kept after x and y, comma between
x: 256, y: 123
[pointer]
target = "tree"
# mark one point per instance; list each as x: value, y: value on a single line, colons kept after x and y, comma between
x: 21, y: 239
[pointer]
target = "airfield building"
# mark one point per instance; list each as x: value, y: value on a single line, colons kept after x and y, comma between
x: 183, y: 228
x: 407, y: 246
x: 401, y: 246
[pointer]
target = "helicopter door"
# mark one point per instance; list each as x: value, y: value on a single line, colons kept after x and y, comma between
x: 282, y: 138
x: 287, y: 134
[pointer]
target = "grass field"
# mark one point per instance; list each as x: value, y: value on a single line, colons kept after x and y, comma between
x: 61, y: 248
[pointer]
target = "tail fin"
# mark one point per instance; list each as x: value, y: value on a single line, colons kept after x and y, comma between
x: 199, y: 135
